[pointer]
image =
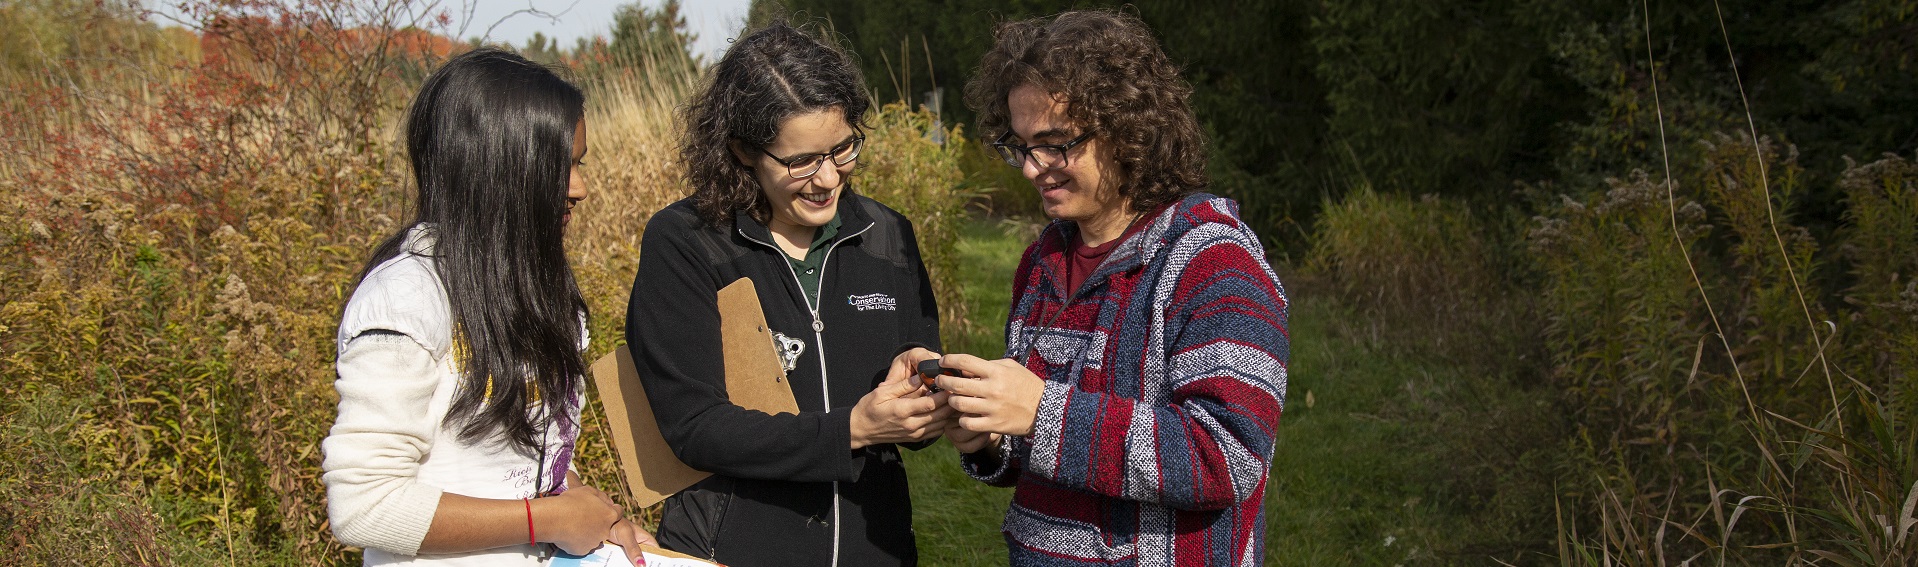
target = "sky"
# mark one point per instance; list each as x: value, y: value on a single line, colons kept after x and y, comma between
x: 714, y: 21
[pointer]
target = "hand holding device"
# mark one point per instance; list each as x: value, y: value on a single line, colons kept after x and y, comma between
x: 929, y: 371
x: 898, y: 410
x: 992, y: 396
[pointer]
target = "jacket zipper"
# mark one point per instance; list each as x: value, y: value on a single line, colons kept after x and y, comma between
x: 819, y: 340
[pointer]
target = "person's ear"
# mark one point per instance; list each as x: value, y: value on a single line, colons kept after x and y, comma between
x: 740, y: 155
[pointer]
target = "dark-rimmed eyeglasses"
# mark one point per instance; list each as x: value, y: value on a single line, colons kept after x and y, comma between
x: 801, y: 167
x: 1046, y: 156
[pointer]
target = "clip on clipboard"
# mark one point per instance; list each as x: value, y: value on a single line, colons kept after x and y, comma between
x: 755, y: 379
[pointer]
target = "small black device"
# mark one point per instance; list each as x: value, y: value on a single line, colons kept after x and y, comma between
x: 929, y: 371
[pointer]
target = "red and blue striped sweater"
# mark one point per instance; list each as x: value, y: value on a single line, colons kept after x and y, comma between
x: 1165, y: 375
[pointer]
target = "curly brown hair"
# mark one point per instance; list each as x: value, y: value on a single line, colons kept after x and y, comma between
x: 1116, y: 81
x: 769, y: 75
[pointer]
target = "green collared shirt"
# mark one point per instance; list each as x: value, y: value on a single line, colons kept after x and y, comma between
x: 808, y: 269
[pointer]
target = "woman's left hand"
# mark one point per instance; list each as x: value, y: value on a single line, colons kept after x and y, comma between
x: 898, y: 411
x: 906, y: 365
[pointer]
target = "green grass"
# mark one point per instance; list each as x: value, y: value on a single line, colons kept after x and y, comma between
x: 1384, y: 457
x: 1344, y: 488
x: 988, y: 253
x: 955, y: 517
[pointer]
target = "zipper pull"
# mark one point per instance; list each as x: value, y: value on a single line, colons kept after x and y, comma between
x: 818, y: 326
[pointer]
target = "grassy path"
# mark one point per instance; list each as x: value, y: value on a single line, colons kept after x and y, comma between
x: 1390, y: 457
x: 1383, y: 458
x: 1348, y: 484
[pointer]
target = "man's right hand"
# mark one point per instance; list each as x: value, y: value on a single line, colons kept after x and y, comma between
x: 998, y: 396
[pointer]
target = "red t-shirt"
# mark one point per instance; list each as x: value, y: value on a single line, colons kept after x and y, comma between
x: 1085, y: 259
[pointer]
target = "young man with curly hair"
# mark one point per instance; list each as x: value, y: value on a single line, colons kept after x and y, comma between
x: 1147, y: 343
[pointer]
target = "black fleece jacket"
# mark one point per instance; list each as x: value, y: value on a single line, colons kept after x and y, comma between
x: 786, y: 489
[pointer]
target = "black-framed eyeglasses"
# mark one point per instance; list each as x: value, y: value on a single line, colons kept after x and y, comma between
x: 1047, y: 156
x: 805, y: 166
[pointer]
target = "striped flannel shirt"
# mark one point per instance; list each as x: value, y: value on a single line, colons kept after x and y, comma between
x: 1165, y: 375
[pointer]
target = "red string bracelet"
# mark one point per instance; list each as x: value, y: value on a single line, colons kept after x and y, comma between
x: 531, y: 538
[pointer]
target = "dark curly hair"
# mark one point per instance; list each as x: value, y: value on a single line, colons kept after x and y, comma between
x: 767, y: 76
x: 1116, y: 81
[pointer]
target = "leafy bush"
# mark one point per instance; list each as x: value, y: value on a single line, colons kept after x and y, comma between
x: 1879, y: 338
x: 207, y: 349
x: 1721, y: 416
x: 1435, y: 290
x: 1619, y: 307
x: 1428, y: 272
x: 1687, y: 326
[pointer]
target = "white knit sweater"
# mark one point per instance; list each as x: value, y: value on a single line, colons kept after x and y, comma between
x: 389, y: 457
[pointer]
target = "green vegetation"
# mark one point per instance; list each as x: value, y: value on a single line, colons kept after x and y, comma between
x: 1519, y: 335
x: 1678, y: 235
x: 988, y: 252
x: 181, y: 230
x: 955, y: 517
x: 1393, y: 458
x: 1682, y: 335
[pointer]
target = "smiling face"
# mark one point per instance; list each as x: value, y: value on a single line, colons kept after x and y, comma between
x: 575, y: 181
x: 1086, y: 190
x: 800, y: 205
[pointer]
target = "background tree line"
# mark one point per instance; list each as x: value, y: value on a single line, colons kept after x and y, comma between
x: 1306, y: 99
x: 1673, y: 245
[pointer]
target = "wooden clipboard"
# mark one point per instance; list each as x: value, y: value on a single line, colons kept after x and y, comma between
x: 755, y: 380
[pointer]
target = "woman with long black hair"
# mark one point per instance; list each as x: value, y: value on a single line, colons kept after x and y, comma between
x: 770, y: 143
x: 460, y: 375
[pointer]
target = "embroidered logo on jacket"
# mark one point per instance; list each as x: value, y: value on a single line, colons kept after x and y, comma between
x: 873, y: 301
x: 789, y: 349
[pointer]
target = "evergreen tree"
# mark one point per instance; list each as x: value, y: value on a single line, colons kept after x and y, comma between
x: 640, y: 33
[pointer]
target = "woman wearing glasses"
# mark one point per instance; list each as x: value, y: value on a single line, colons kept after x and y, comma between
x: 769, y: 146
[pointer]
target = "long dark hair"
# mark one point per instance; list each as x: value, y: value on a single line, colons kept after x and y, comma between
x: 1116, y: 81
x: 770, y: 75
x: 490, y: 137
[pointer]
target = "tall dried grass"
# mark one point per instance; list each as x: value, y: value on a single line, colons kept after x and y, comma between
x: 632, y: 171
x: 1818, y: 458
x: 180, y: 234
x: 1732, y: 409
x: 179, y: 237
x: 1737, y: 392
